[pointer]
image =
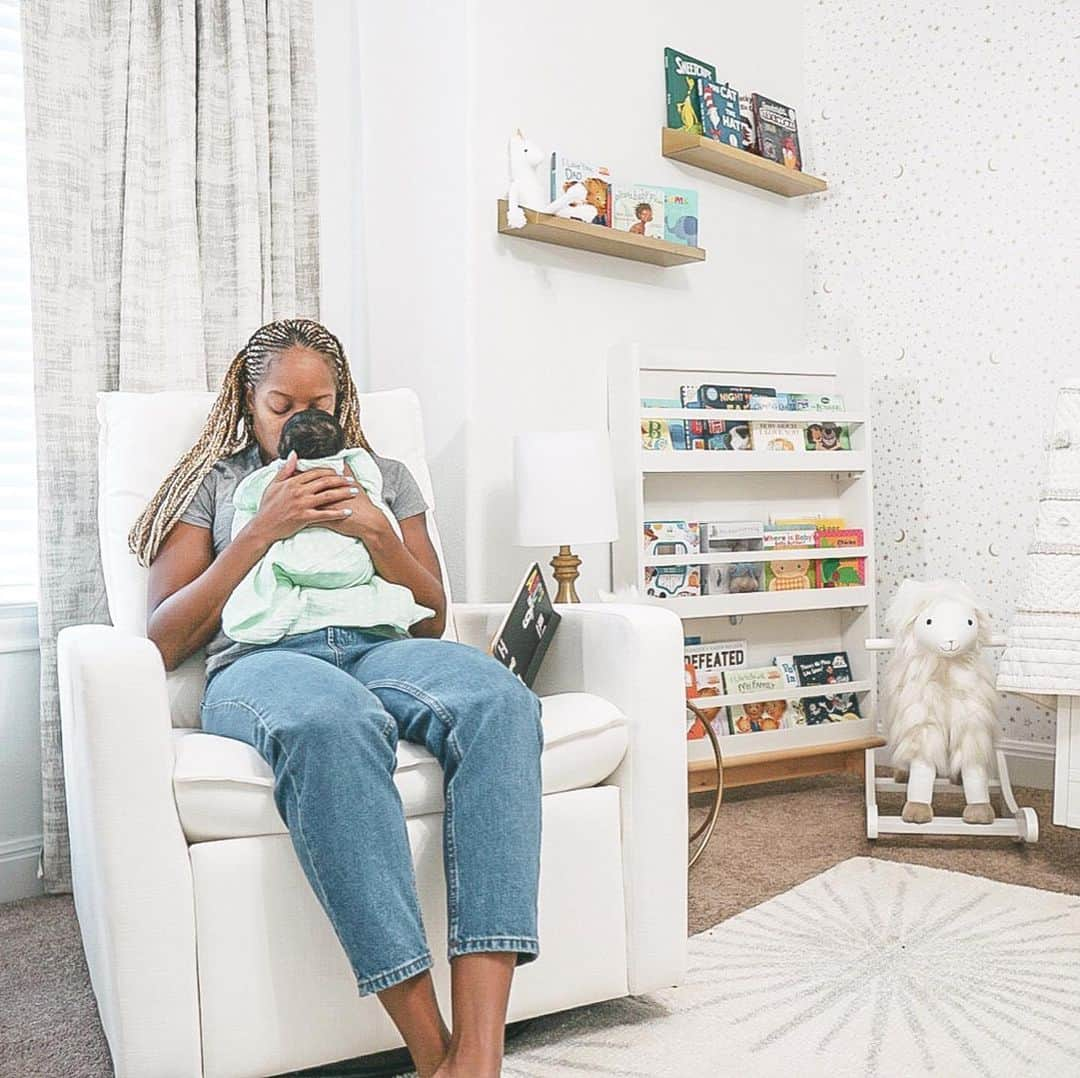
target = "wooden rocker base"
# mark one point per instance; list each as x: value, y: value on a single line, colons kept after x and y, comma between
x: 1021, y: 826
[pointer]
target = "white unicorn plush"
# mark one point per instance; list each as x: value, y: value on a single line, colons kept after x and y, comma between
x: 941, y: 704
x: 528, y: 190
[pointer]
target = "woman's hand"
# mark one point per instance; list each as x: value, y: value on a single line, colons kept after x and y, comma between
x: 293, y: 500
x: 366, y: 520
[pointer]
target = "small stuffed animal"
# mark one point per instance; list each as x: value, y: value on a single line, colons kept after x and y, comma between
x: 527, y: 190
x: 940, y: 700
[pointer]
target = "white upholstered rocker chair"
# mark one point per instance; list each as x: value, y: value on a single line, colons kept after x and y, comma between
x: 208, y: 951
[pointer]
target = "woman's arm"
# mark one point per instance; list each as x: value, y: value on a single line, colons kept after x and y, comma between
x: 189, y: 587
x: 411, y: 561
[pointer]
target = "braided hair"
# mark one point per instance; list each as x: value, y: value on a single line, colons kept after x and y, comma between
x: 221, y: 436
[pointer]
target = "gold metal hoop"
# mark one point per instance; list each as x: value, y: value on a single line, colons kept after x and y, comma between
x: 710, y: 824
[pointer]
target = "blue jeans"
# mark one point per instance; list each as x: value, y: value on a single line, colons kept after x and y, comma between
x: 325, y: 709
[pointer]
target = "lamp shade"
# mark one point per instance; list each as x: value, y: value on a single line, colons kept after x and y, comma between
x: 565, y: 488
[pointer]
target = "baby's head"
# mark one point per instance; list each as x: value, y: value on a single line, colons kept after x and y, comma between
x: 313, y: 433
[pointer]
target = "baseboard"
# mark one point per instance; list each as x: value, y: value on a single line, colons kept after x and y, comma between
x: 1031, y: 763
x: 18, y: 868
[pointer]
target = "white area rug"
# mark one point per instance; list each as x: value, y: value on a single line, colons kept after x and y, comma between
x: 871, y: 968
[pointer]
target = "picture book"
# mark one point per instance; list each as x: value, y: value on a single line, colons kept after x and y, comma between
x: 746, y: 116
x: 718, y: 536
x: 733, y: 578
x: 660, y: 402
x: 790, y: 574
x: 672, y: 537
x: 773, y: 435
x: 638, y: 209
x: 705, y: 665
x: 720, y: 118
x: 758, y: 715
x: 688, y: 397
x: 524, y: 636
x: 830, y: 535
x: 797, y: 402
x: 681, y: 74
x: 818, y: 523
x: 566, y: 171
x: 681, y: 216
x: 776, y: 132
x: 672, y: 581
x: 775, y: 537
x: 825, y: 436
x: 843, y: 707
x: 819, y: 668
x: 841, y: 572
x: 656, y: 434
x: 735, y: 397
x: 676, y: 428
x: 754, y: 679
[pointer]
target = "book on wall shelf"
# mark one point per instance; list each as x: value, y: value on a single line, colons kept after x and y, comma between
x: 788, y: 557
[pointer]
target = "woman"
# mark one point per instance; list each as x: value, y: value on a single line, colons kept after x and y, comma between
x: 326, y: 708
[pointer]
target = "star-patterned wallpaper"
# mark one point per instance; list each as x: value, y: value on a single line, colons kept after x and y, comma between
x: 946, y: 255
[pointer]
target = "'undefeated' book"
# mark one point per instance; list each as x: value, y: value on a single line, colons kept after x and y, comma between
x: 526, y: 632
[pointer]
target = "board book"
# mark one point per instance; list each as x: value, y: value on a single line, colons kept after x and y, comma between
x: 525, y: 634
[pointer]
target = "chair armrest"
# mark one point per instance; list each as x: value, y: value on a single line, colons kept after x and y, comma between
x: 131, y: 875
x: 630, y: 654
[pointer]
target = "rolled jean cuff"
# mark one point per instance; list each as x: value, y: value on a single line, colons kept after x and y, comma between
x: 388, y: 978
x: 528, y: 947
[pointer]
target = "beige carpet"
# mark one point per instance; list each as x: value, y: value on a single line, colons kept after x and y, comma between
x: 768, y: 840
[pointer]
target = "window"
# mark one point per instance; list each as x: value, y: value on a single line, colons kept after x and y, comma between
x: 18, y: 470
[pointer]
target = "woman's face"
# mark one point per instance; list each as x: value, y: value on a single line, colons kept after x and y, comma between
x: 297, y: 379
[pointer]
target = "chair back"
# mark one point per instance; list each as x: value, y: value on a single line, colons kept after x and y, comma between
x: 141, y: 436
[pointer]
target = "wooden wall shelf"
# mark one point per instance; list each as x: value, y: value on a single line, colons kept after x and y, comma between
x: 736, y: 164
x: 547, y: 228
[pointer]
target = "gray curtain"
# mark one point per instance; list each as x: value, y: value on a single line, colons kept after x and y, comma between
x: 172, y: 176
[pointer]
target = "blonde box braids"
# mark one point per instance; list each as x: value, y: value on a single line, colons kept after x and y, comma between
x: 221, y: 436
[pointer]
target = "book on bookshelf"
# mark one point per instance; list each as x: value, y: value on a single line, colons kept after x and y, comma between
x: 731, y: 578
x: 826, y: 668
x: 776, y: 132
x: 822, y: 437
x: 639, y: 209
x: 759, y: 715
x: 776, y: 436
x: 681, y: 216
x: 705, y: 665
x: 791, y: 574
x: 566, y: 171
x: 720, y: 119
x: 681, y: 74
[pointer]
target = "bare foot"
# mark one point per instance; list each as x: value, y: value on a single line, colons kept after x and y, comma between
x: 979, y: 812
x: 916, y: 812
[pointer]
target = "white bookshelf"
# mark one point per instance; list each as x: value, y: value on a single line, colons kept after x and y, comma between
x: 705, y: 485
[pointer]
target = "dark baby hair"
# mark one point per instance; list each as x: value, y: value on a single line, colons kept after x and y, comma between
x: 312, y: 433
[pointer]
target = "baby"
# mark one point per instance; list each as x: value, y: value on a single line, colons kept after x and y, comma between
x: 316, y: 577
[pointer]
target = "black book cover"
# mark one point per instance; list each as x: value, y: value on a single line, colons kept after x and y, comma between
x: 525, y: 634
x: 824, y: 668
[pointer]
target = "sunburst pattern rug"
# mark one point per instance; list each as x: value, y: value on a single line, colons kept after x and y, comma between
x: 871, y: 968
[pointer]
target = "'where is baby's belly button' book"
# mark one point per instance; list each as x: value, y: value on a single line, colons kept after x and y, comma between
x: 525, y: 633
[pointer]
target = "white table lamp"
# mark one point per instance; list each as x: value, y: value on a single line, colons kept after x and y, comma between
x: 565, y: 492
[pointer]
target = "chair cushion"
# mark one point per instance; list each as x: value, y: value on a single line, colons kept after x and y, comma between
x: 224, y: 788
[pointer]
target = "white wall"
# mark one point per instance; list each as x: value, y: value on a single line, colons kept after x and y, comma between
x: 946, y: 253
x: 499, y: 334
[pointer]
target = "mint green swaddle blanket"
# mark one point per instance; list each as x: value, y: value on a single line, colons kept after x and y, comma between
x: 317, y: 577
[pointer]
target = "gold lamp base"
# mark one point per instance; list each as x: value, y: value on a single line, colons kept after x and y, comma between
x: 565, y: 564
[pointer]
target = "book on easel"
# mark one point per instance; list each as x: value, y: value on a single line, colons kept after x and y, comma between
x: 525, y: 634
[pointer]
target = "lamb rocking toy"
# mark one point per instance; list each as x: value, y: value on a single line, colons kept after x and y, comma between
x: 941, y: 717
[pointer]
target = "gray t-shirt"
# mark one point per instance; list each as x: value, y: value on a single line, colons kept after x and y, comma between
x: 212, y: 507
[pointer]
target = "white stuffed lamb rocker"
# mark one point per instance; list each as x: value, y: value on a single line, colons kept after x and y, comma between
x: 941, y: 717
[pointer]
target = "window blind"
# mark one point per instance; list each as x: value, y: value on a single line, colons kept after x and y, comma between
x: 18, y: 480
